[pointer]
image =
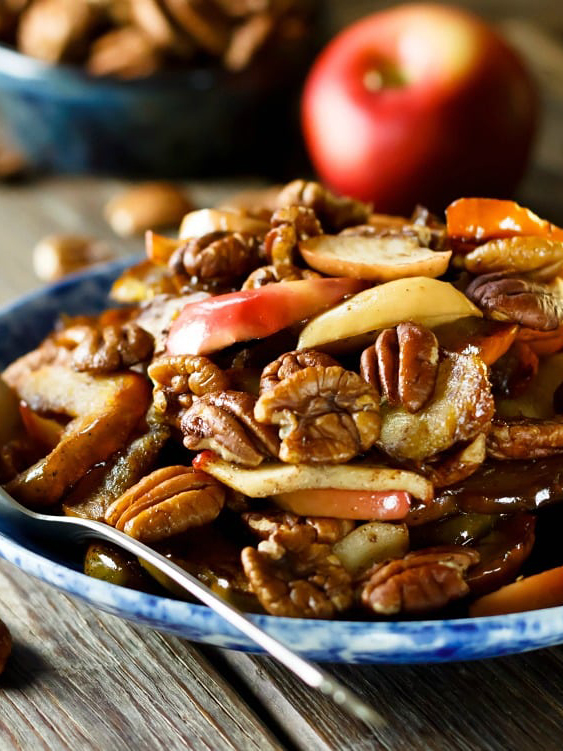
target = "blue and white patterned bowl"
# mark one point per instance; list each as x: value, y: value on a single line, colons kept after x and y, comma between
x: 21, y: 326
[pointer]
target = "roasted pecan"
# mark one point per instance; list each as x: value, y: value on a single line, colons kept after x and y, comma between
x: 327, y: 415
x: 503, y: 297
x: 525, y: 438
x: 178, y: 378
x: 328, y: 530
x: 112, y: 348
x: 422, y: 581
x: 5, y: 645
x: 217, y: 256
x: 293, y: 576
x: 290, y: 225
x: 334, y: 212
x: 404, y: 362
x: 270, y: 275
x: 291, y: 362
x: 512, y: 373
x: 167, y: 502
x: 224, y: 422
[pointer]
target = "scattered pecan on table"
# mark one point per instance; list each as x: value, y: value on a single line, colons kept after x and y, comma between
x: 5, y: 645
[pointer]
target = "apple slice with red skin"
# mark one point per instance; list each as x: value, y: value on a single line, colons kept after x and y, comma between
x: 213, y: 324
x: 383, y: 505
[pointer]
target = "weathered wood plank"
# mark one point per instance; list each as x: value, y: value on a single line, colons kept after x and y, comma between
x: 80, y: 679
x: 509, y: 703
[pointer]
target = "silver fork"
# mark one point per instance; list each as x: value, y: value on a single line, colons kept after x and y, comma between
x: 76, y: 530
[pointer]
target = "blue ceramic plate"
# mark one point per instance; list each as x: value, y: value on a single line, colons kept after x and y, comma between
x: 21, y: 326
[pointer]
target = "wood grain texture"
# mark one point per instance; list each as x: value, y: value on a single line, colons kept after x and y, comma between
x: 78, y: 679
x: 511, y: 703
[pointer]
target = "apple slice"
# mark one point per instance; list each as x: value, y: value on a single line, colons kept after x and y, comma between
x: 376, y: 258
x: 428, y: 302
x: 204, y: 221
x: 213, y: 324
x: 543, y: 590
x: 383, y: 505
x: 275, y: 478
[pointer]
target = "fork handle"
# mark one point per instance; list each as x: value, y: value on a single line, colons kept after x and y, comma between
x: 306, y: 670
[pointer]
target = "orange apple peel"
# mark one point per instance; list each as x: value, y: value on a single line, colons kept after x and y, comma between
x: 483, y: 219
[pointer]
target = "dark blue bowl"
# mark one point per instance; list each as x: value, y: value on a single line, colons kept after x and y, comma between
x: 197, y: 122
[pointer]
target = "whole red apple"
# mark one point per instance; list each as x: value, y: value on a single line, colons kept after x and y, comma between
x: 421, y: 103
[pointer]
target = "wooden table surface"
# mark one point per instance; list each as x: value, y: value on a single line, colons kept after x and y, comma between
x: 79, y: 679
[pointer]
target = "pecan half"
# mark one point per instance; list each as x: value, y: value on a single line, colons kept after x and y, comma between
x: 224, y: 422
x: 404, y: 361
x: 328, y: 530
x: 291, y: 362
x: 5, y: 645
x: 290, y: 225
x: 327, y: 415
x: 166, y: 502
x: 525, y: 438
x: 422, y: 581
x: 111, y: 348
x: 293, y: 576
x: 178, y: 378
x: 503, y: 297
x: 334, y: 212
x: 217, y: 256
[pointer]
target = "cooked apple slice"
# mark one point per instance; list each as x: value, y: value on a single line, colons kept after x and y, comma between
x: 204, y: 221
x: 273, y: 479
x: 428, y: 302
x: 371, y: 543
x: 213, y: 324
x: 383, y: 505
x: 376, y: 258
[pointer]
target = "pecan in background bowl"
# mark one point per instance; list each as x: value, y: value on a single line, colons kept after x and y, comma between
x: 169, y: 88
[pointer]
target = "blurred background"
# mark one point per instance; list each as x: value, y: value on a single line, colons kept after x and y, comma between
x: 98, y: 95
